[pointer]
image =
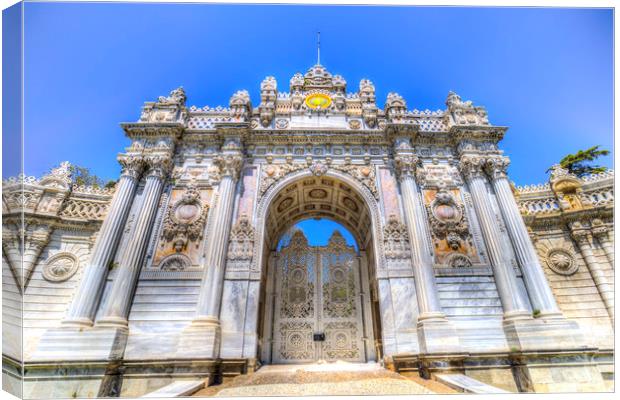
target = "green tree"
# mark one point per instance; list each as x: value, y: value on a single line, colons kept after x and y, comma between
x: 580, y: 163
x: 82, y: 176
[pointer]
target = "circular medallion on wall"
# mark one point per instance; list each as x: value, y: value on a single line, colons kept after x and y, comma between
x: 60, y: 267
x: 318, y: 101
x: 561, y: 262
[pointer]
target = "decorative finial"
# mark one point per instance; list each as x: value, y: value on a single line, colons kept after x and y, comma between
x: 318, y: 48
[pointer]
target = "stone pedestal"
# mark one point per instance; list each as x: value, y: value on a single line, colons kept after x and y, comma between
x: 200, y: 340
x: 82, y: 344
x: 437, y: 336
x: 543, y: 335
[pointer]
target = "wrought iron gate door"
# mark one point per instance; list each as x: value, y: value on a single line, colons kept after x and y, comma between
x: 318, y: 312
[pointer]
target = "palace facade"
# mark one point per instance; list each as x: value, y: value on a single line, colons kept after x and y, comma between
x: 175, y: 273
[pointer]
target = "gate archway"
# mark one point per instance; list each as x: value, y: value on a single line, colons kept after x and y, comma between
x: 342, y: 199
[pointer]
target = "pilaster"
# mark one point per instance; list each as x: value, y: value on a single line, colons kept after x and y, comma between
x: 605, y: 288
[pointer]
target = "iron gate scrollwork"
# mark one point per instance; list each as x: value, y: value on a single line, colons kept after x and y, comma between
x: 317, y: 295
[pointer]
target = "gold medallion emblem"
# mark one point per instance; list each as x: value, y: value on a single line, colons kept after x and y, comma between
x: 318, y: 101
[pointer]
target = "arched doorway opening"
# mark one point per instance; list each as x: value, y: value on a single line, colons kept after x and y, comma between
x: 318, y: 301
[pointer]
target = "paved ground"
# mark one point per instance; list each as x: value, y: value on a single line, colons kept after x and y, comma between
x: 323, y: 379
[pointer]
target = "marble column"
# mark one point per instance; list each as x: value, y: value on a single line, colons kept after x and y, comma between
x: 515, y: 307
x: 426, y: 288
x: 536, y: 283
x: 208, y: 307
x: 604, y: 286
x: 201, y: 339
x: 83, y: 307
x: 116, y: 309
x: 601, y: 233
x: 435, y: 332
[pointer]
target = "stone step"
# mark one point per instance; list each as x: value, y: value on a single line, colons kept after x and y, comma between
x: 177, y: 389
x: 464, y: 383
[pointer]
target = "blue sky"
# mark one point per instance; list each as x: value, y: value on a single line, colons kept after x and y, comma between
x: 545, y: 73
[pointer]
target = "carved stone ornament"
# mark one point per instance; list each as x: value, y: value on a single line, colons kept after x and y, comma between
x: 457, y: 260
x: 472, y: 166
x: 185, y: 219
x: 497, y: 166
x: 241, y: 243
x: 175, y: 262
x: 561, y: 261
x: 229, y: 164
x: 158, y: 165
x: 60, y: 267
x: 447, y: 219
x: 318, y: 169
x: 131, y: 165
x: 177, y: 96
x: 406, y: 164
x: 396, y: 239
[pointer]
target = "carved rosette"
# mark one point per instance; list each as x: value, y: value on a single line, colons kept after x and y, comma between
x: 185, y: 220
x: 240, y: 248
x: 229, y: 165
x: 175, y: 262
x: 60, y: 267
x: 406, y: 164
x: 396, y: 239
x: 559, y: 256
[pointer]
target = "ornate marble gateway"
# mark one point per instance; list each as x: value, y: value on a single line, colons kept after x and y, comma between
x: 176, y: 271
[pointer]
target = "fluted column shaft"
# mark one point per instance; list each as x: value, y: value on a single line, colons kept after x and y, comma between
x: 426, y: 288
x: 116, y: 308
x: 84, y: 305
x: 505, y: 278
x: 605, y: 288
x: 601, y: 234
x: 535, y: 280
x: 208, y: 307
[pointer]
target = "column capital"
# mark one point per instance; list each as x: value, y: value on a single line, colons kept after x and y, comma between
x: 579, y: 234
x: 158, y: 165
x: 229, y: 164
x: 599, y: 229
x: 496, y: 166
x: 472, y: 166
x: 132, y: 165
x: 406, y: 164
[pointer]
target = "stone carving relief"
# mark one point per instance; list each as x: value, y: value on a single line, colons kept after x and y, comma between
x: 458, y: 260
x: 268, y: 94
x: 558, y: 255
x: 272, y: 173
x: 241, y: 245
x: 464, y: 112
x: 185, y: 219
x: 447, y: 219
x: 561, y: 262
x: 60, y: 267
x: 175, y: 262
x: 396, y: 239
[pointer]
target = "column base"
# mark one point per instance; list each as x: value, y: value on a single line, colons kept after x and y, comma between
x: 542, y: 334
x: 437, y: 336
x: 200, y: 340
x: 77, y: 322
x: 81, y: 344
x: 112, y: 322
